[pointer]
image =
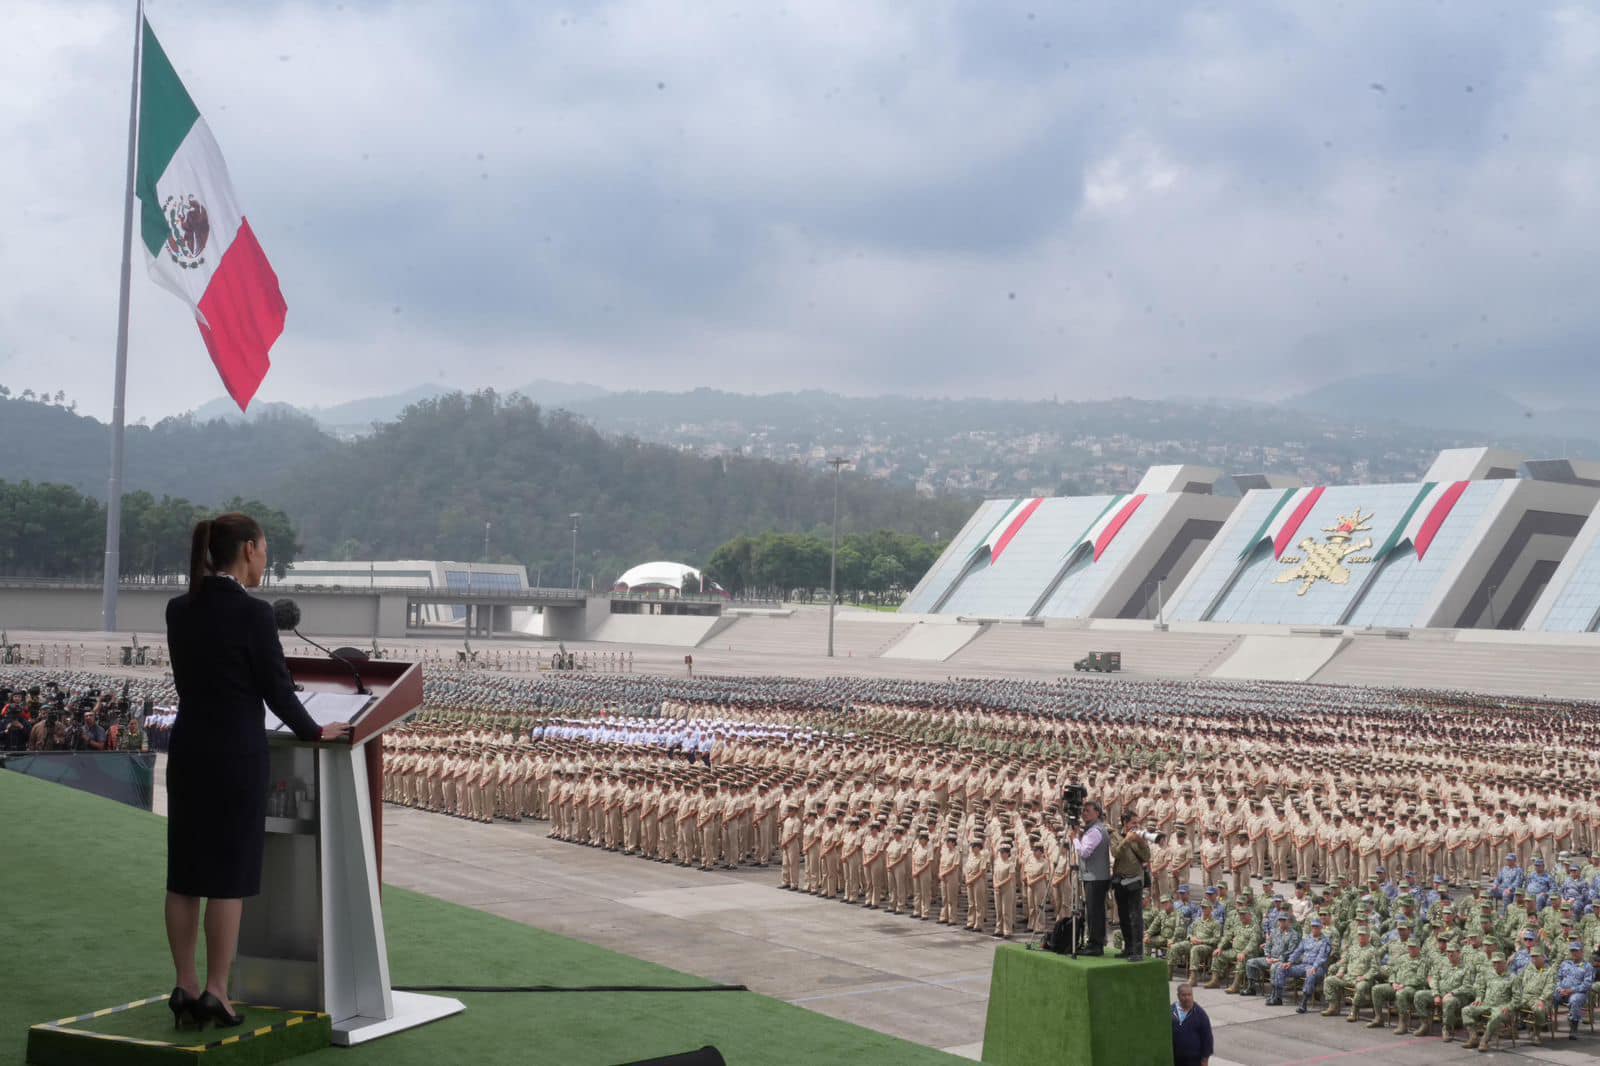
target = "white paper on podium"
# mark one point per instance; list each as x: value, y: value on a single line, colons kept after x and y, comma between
x: 325, y: 708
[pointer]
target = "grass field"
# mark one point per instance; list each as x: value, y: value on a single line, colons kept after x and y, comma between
x: 83, y: 878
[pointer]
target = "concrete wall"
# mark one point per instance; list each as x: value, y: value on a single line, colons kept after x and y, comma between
x: 143, y: 610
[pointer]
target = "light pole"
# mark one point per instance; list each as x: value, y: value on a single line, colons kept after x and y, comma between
x: 833, y: 557
x: 486, y: 541
x: 1159, y: 582
x: 575, y: 515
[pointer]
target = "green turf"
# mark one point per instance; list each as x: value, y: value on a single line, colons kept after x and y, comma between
x: 83, y: 880
x: 1050, y: 1008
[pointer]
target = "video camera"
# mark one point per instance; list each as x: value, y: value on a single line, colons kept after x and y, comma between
x: 1072, y: 798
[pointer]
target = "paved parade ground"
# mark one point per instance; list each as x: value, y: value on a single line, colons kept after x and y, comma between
x: 915, y: 980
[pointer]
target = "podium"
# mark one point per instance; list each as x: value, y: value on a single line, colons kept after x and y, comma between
x: 314, y: 938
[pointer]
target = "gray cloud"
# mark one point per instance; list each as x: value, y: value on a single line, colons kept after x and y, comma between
x: 997, y: 198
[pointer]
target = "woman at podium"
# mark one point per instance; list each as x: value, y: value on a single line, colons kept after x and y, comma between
x: 226, y: 662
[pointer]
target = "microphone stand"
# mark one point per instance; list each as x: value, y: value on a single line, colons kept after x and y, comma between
x: 361, y: 688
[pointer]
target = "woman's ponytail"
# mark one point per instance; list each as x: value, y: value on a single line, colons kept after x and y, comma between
x: 217, y: 543
x: 199, y: 553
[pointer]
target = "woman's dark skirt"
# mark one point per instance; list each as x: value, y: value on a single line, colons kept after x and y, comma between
x: 216, y: 823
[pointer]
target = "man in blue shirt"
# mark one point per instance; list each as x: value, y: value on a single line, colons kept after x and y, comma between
x: 1191, y: 1030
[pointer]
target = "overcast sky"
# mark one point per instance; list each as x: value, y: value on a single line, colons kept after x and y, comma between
x: 1079, y: 198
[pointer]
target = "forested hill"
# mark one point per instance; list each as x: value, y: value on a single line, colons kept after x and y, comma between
x: 424, y: 486
x: 205, y: 461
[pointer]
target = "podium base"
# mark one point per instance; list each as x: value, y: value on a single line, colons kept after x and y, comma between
x: 411, y: 1009
x: 1050, y: 1008
x: 141, y: 1034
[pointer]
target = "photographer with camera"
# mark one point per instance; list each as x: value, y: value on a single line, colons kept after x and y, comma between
x: 90, y: 736
x: 1093, y: 844
x: 1129, y: 857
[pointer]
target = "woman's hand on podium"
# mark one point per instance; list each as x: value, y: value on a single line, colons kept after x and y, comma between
x: 335, y: 731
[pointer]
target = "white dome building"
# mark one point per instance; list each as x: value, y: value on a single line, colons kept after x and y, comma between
x: 660, y: 577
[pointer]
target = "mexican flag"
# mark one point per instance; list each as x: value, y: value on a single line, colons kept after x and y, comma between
x: 1424, y: 518
x: 1284, y: 520
x: 1104, y: 529
x: 198, y: 242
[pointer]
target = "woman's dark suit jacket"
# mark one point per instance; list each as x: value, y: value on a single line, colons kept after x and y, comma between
x: 226, y: 663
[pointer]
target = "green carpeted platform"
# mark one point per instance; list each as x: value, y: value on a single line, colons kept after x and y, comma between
x: 83, y: 880
x: 1048, y: 1008
x: 141, y: 1033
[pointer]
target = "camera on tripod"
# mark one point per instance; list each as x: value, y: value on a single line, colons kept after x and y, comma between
x: 1072, y: 798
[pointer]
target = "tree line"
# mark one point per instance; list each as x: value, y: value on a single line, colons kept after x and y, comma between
x: 55, y: 531
x: 872, y: 567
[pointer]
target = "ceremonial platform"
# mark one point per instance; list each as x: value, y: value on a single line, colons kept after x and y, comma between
x: 1045, y: 1007
x: 84, y: 879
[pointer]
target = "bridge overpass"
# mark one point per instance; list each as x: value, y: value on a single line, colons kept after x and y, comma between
x: 391, y: 612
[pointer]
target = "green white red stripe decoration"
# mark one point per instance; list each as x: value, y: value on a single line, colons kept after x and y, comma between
x: 1006, y: 530
x: 199, y: 244
x: 1107, y: 524
x: 1284, y: 520
x: 1424, y: 518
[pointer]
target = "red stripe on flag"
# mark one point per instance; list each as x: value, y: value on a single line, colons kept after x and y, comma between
x: 243, y: 313
x: 1013, y: 529
x: 1436, y: 517
x: 1108, y: 534
x: 1285, y: 535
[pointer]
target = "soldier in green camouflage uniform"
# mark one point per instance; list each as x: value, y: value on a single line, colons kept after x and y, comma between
x: 1204, y: 936
x: 1240, y: 926
x: 1234, y: 953
x: 1356, y: 972
x: 1538, y: 991
x: 1495, y: 1006
x: 1407, y: 976
x: 1160, y: 926
x: 1451, y: 986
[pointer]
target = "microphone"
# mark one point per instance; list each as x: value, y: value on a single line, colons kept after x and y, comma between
x: 286, y: 613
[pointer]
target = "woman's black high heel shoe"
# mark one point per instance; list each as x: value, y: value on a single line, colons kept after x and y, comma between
x: 181, y: 1004
x: 209, y: 1008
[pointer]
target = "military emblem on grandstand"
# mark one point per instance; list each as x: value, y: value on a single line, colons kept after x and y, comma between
x: 188, y: 229
x: 1328, y: 561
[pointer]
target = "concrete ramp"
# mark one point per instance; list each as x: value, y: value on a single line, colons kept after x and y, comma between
x: 678, y: 631
x: 1266, y: 658
x: 931, y: 642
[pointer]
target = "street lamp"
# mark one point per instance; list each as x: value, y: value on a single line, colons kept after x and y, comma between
x: 1159, y: 582
x: 1492, y: 590
x: 486, y: 541
x: 833, y: 557
x: 575, y: 515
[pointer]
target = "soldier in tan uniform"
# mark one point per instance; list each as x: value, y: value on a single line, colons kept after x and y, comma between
x: 973, y: 871
x: 923, y: 860
x: 950, y: 874
x: 789, y: 846
x: 897, y: 869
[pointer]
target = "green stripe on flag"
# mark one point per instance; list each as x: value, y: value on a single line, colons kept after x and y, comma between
x: 1266, y: 523
x: 1405, y: 520
x: 166, y: 114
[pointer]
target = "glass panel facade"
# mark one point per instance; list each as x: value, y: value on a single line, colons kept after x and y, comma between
x: 1397, y: 595
x: 949, y: 565
x: 1009, y: 588
x: 1083, y: 587
x: 1579, y: 599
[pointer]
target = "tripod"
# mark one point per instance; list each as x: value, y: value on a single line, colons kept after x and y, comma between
x: 1066, y: 935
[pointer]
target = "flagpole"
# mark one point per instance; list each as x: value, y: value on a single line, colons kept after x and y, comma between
x: 108, y: 595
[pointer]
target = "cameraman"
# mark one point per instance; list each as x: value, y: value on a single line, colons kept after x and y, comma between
x: 1128, y: 860
x: 1093, y: 845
